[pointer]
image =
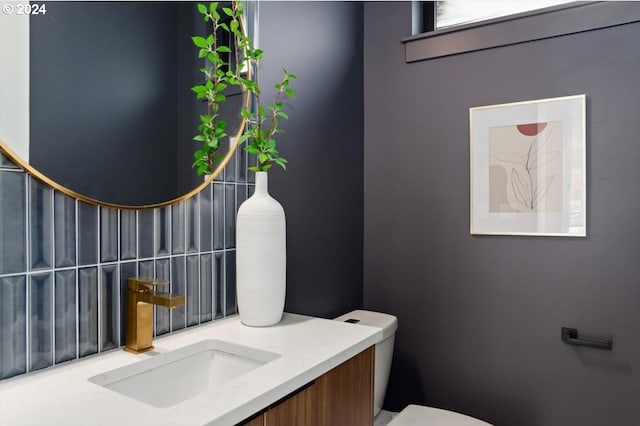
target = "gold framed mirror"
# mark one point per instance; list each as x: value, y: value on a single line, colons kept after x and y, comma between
x: 38, y: 31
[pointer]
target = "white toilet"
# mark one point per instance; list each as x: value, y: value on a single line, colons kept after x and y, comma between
x: 412, y: 415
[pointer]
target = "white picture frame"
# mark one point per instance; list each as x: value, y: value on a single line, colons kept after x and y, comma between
x: 528, y: 168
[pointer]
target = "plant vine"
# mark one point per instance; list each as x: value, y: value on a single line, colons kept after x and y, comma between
x: 262, y: 122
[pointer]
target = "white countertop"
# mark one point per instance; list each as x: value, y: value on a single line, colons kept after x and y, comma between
x: 309, y: 347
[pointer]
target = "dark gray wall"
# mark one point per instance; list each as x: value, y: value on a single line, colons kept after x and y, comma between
x: 480, y: 317
x: 321, y: 191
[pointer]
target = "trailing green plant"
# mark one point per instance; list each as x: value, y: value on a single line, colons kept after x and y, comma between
x: 262, y: 122
x: 263, y: 126
x: 219, y: 73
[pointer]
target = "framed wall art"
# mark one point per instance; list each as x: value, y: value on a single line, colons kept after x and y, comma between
x: 528, y: 168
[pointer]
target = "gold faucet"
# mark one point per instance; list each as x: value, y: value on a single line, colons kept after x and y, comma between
x: 141, y: 296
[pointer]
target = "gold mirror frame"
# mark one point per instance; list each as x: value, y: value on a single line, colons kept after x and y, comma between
x: 4, y: 148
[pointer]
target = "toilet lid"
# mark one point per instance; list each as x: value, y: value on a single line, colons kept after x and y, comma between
x: 418, y: 415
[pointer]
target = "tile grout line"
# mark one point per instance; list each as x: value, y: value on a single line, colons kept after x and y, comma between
x: 119, y: 272
x: 100, y: 283
x: 27, y: 279
x: 75, y: 225
x: 110, y: 263
x: 53, y: 276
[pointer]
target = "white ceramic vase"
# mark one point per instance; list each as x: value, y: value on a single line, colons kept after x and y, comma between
x: 261, y: 257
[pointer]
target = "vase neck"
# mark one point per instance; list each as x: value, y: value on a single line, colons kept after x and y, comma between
x: 262, y: 183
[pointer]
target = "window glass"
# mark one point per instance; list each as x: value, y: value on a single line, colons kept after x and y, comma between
x: 457, y: 12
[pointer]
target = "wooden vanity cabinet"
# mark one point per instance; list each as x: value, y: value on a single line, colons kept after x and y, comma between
x: 343, y: 396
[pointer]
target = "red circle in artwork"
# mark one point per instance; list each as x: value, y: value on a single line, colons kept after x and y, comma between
x: 531, y: 129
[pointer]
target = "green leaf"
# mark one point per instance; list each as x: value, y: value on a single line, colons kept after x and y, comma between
x: 257, y: 54
x: 245, y: 113
x: 228, y: 11
x: 283, y: 115
x: 234, y: 25
x: 209, y: 84
x: 224, y: 26
x: 254, y: 169
x: 262, y: 157
x: 220, y: 97
x: 215, y: 15
x: 202, y: 9
x: 214, y: 58
x: 200, y: 138
x: 199, y: 41
x: 266, y: 167
x: 290, y: 92
x: 203, y: 53
x: 213, y: 6
x: 223, y: 49
x: 281, y: 162
x: 210, y: 40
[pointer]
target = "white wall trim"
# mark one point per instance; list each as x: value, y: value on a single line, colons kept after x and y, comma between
x: 14, y: 80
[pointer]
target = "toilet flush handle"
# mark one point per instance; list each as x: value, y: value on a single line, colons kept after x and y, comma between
x: 570, y: 336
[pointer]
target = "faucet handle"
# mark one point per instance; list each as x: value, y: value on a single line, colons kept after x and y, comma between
x: 143, y: 284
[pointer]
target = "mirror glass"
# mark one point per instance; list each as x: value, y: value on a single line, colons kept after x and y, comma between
x: 110, y: 113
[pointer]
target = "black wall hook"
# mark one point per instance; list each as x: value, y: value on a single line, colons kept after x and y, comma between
x: 570, y: 336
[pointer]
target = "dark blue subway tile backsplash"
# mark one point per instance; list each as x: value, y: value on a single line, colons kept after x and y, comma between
x: 13, y: 326
x: 218, y: 288
x: 64, y: 265
x: 145, y: 234
x: 177, y: 228
x: 191, y: 225
x: 13, y: 222
x: 65, y: 315
x: 206, y: 294
x: 128, y: 249
x: 229, y: 216
x: 64, y: 230
x: 87, y: 234
x: 178, y: 286
x: 193, y: 290
x: 205, y: 203
x: 231, y: 305
x: 163, y: 231
x: 218, y: 216
x: 40, y: 321
x: 108, y: 235
x: 163, y: 317
x: 40, y: 225
x: 87, y: 311
x: 109, y: 281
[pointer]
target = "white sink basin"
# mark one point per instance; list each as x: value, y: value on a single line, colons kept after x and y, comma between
x: 173, y: 377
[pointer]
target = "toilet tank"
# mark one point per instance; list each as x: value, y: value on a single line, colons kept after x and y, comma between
x: 383, y: 350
